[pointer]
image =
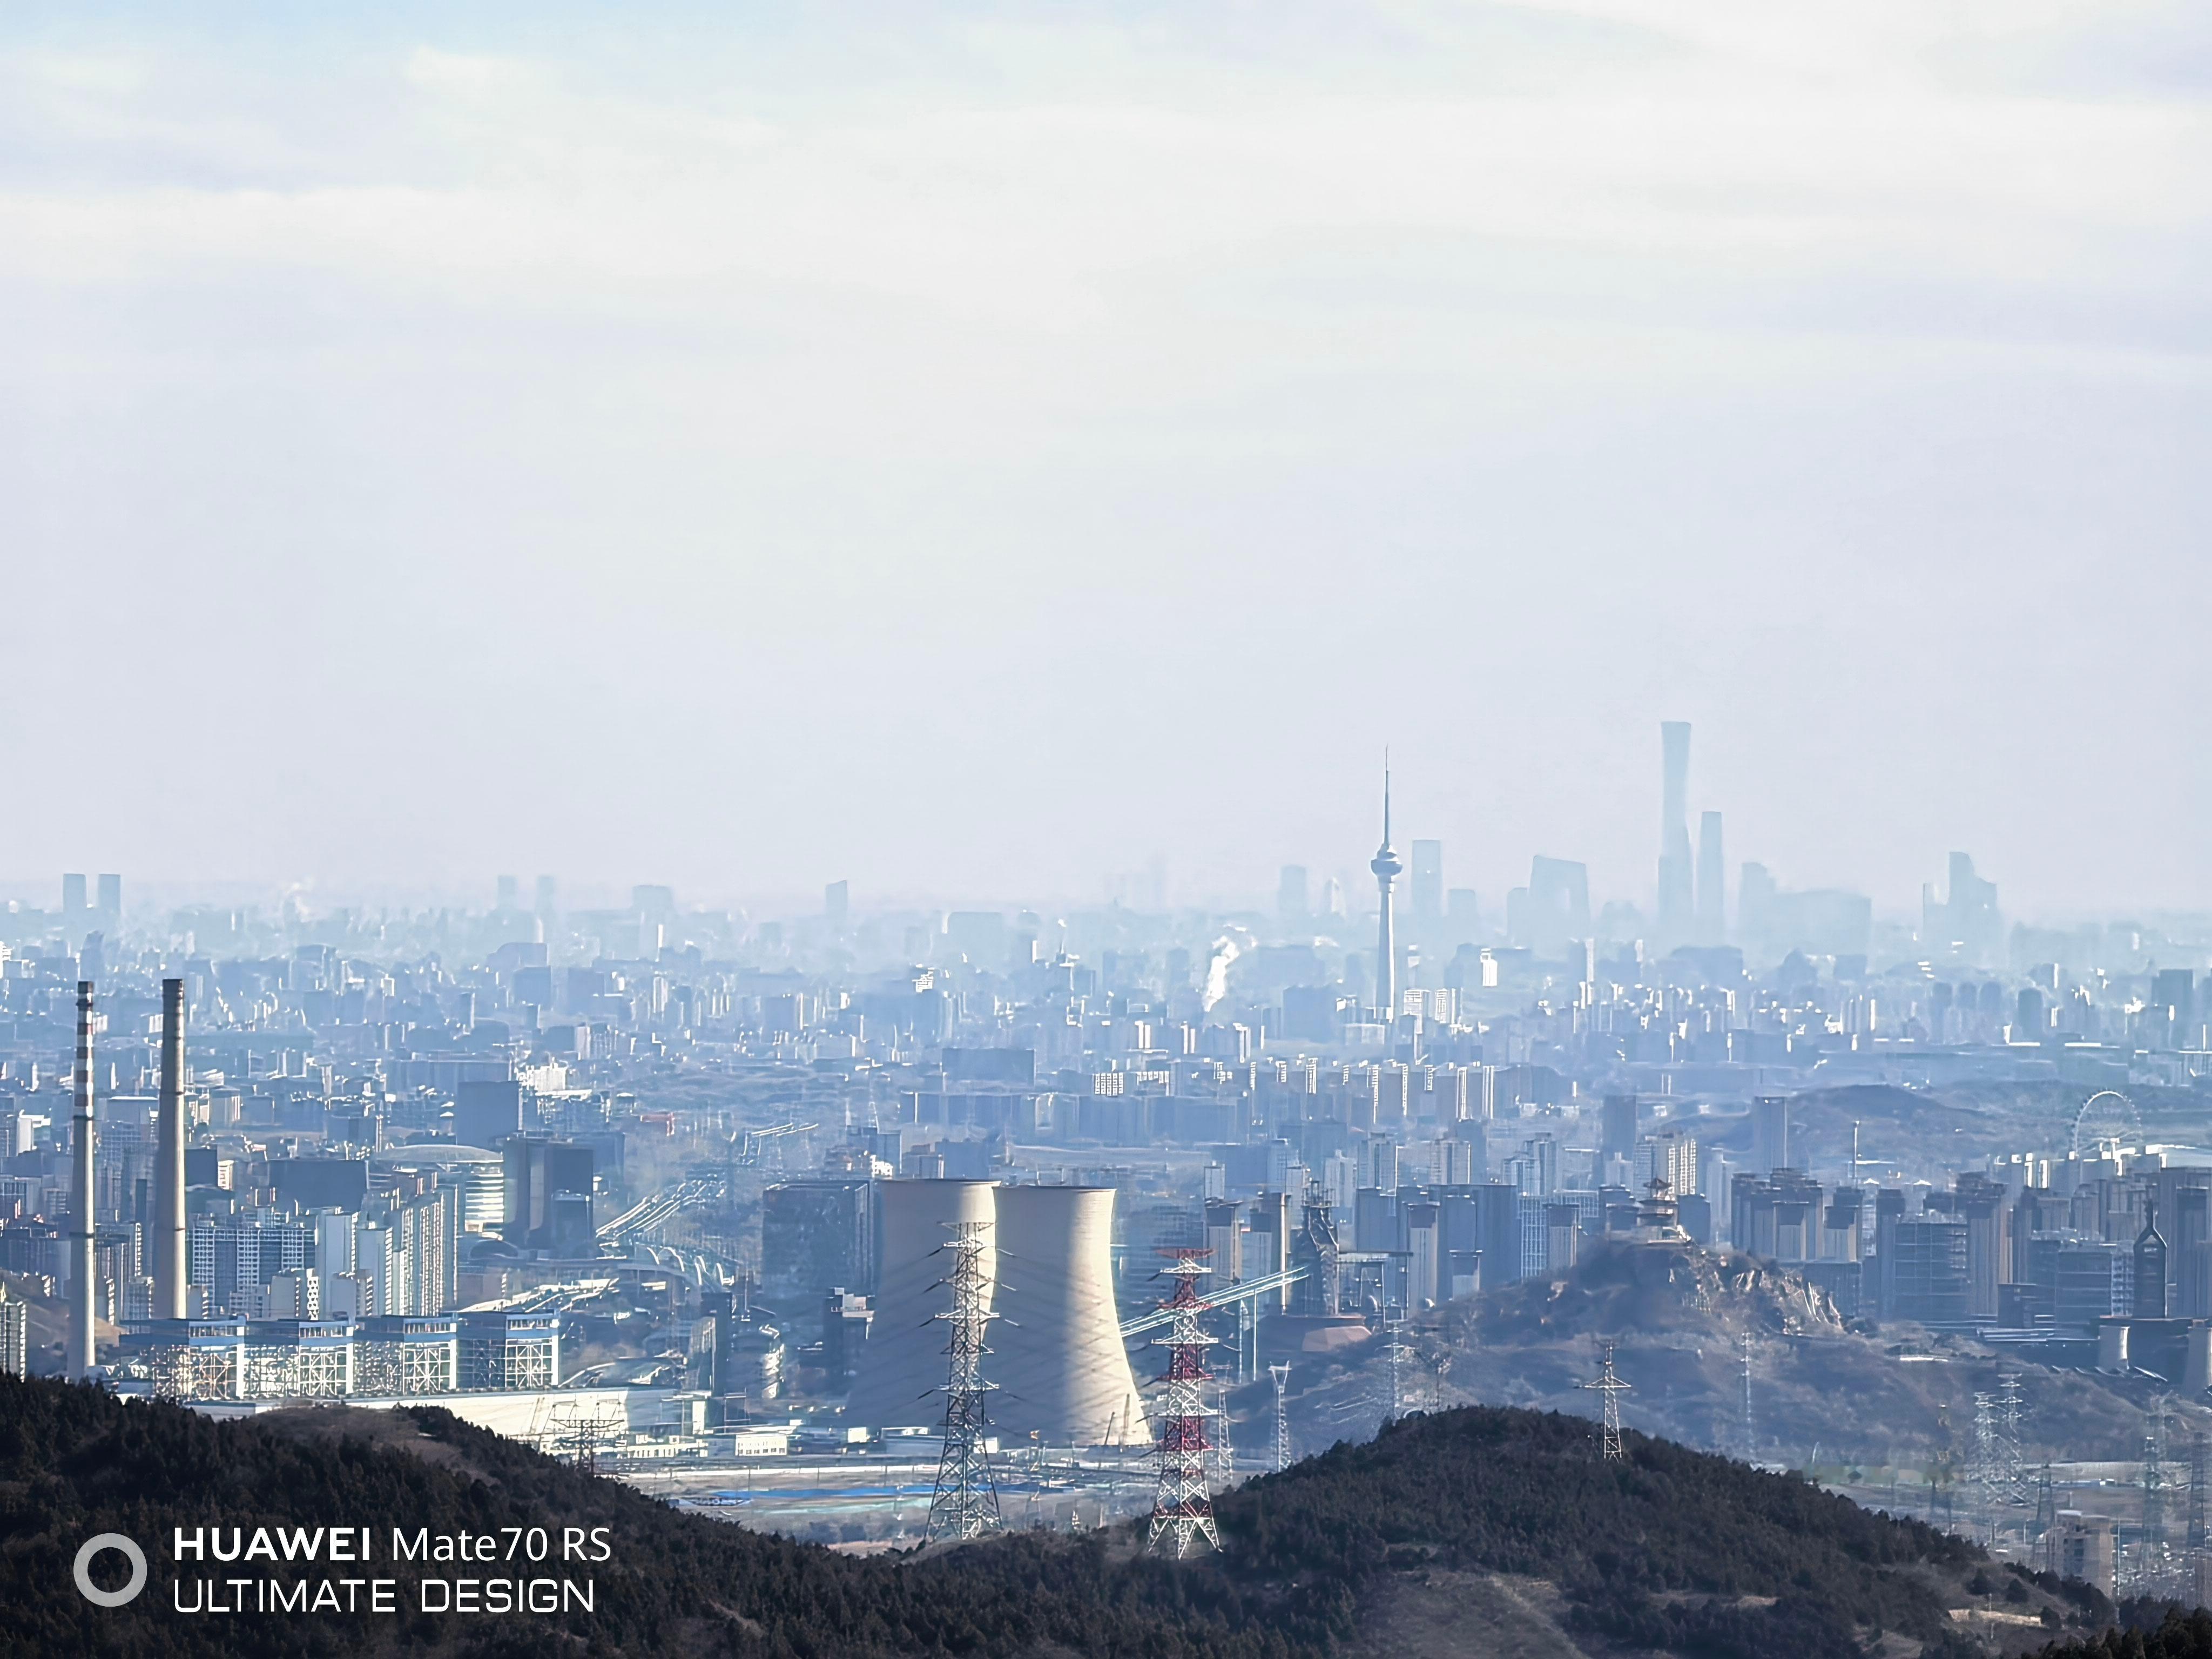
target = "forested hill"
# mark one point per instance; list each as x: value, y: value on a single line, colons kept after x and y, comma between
x: 1666, y: 1549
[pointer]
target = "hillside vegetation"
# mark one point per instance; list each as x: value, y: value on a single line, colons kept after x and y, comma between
x: 1667, y: 1549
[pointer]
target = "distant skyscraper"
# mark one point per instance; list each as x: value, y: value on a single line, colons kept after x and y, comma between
x: 1428, y: 881
x: 1754, y: 905
x: 510, y: 894
x: 1770, y: 1132
x: 1968, y: 918
x: 548, y: 898
x: 73, y: 900
x: 110, y: 900
x: 2150, y: 1299
x: 1675, y: 874
x: 1291, y: 905
x: 1712, y: 882
x: 2171, y: 1018
x: 1463, y: 914
x: 1617, y: 1127
x: 1386, y: 867
x: 1555, y: 906
x: 837, y: 903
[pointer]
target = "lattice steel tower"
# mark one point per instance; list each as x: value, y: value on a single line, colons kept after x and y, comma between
x: 965, y: 1502
x: 1610, y: 1388
x: 1397, y: 1353
x: 1281, y: 1374
x: 2009, y: 1411
x: 2200, y: 1466
x: 1982, y: 1463
x: 1744, y: 1426
x: 1182, y: 1504
x: 2152, y: 1479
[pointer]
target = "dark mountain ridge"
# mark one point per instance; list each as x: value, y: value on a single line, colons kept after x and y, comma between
x: 1666, y: 1549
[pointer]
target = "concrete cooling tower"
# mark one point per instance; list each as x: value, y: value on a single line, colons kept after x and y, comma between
x: 1057, y: 1354
x: 904, y: 1359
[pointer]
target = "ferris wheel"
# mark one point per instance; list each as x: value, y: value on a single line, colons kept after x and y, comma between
x: 2107, y: 1119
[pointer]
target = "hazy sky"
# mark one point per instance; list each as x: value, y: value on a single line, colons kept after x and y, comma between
x: 745, y: 447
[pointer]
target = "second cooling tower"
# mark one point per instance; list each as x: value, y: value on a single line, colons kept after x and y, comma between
x: 904, y: 1359
x: 1057, y: 1353
x: 1057, y: 1357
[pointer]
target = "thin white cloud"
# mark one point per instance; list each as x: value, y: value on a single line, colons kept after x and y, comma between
x: 1027, y: 362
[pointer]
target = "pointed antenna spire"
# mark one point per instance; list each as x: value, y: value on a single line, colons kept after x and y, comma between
x: 1386, y: 867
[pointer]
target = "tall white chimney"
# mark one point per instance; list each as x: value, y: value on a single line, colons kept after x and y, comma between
x: 170, y: 1262
x: 81, y: 1264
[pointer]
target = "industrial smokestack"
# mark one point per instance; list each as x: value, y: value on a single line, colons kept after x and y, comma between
x: 905, y: 1359
x: 82, y: 1355
x: 170, y: 1263
x: 1061, y: 1364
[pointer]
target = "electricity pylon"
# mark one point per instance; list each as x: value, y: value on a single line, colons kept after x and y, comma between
x: 1182, y: 1504
x: 1610, y: 1388
x: 1281, y: 1374
x: 965, y: 1502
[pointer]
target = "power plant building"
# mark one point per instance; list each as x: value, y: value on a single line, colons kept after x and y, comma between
x: 1057, y: 1359
x: 547, y: 1194
x: 816, y: 1237
x: 1062, y: 1368
x: 904, y: 1361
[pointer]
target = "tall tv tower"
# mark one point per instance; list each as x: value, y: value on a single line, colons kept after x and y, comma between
x: 1386, y: 867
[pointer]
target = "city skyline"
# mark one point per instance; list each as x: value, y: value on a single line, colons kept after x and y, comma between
x: 1696, y: 898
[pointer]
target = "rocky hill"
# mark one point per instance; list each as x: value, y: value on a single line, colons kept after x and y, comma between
x: 1822, y: 1390
x: 1475, y: 1530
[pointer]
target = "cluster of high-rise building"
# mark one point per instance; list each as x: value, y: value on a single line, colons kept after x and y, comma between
x: 383, y: 1138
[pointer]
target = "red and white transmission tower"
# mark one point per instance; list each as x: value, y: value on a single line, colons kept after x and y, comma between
x: 1183, y: 1506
